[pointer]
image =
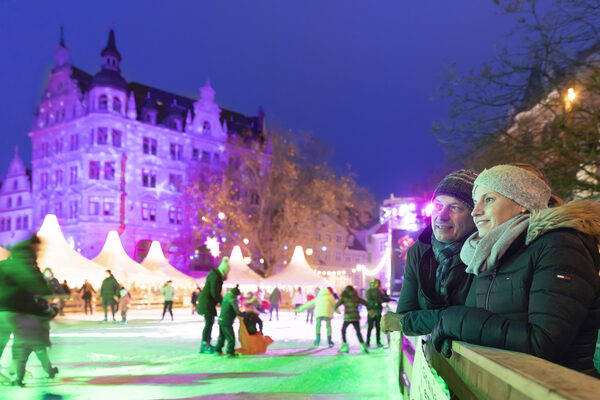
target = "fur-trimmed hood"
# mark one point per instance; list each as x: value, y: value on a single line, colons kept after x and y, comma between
x: 581, y: 215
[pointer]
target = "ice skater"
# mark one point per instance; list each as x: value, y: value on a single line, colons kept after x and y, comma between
x: 375, y: 297
x: 274, y: 300
x: 350, y: 300
x: 208, y: 300
x: 194, y: 299
x: 168, y: 291
x: 109, y: 292
x: 87, y: 290
x: 229, y: 310
x: 124, y: 304
x: 298, y: 299
x: 323, y: 306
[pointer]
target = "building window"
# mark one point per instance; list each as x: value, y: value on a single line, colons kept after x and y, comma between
x: 109, y: 171
x: 44, y: 180
x: 205, y: 157
x: 348, y: 258
x: 109, y: 206
x: 216, y: 158
x: 45, y: 152
x: 18, y: 224
x: 116, y: 104
x: 94, y: 206
x: 73, y: 209
x: 195, y: 154
x: 8, y: 227
x: 382, y: 245
x: 176, y: 151
x: 338, y: 238
x: 19, y: 201
x: 74, y: 142
x: 15, y: 185
x: 73, y: 176
x: 175, y: 182
x: 58, y: 146
x: 116, y: 138
x: 149, y: 146
x: 148, y: 212
x: 175, y: 215
x: 9, y: 202
x: 25, y: 224
x: 94, y: 169
x: 58, y: 209
x: 103, y: 102
x: 148, y: 178
x: 102, y: 136
x: 2, y: 225
x: 338, y: 256
x: 206, y: 128
x: 43, y: 210
x: 58, y: 177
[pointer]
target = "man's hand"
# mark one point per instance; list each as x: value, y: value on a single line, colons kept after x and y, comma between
x: 391, y: 322
x: 441, y: 340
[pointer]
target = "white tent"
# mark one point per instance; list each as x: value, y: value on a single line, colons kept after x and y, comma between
x: 240, y: 273
x: 4, y: 253
x: 113, y: 257
x: 156, y: 262
x: 298, y: 273
x: 66, y: 263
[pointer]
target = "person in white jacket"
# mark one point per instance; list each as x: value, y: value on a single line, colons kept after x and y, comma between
x: 323, y: 304
x: 298, y: 299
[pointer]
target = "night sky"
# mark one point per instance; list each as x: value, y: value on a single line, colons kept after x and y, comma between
x: 358, y: 74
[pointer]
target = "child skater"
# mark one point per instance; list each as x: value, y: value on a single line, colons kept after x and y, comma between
x: 124, y: 303
x: 351, y: 300
x: 323, y: 305
x: 229, y: 310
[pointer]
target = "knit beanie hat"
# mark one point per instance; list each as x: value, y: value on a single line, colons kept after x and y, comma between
x: 458, y: 184
x: 235, y: 291
x: 517, y: 184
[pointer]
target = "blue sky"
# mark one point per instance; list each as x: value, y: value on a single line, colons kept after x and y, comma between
x: 360, y: 75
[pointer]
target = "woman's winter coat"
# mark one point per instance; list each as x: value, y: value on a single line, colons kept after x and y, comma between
x: 543, y: 296
x: 350, y: 303
x: 323, y: 304
x: 418, y: 301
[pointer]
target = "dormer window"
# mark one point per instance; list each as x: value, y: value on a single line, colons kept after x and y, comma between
x: 15, y: 185
x: 116, y: 104
x: 103, y: 102
x: 206, y: 128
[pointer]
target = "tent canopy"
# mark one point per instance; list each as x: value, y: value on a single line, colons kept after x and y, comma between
x: 156, y: 262
x: 298, y: 273
x: 240, y: 273
x: 66, y: 263
x: 113, y: 257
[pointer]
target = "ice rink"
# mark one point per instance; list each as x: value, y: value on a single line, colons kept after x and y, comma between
x: 152, y: 359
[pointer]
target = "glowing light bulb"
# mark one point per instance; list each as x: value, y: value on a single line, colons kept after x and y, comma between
x: 309, y: 252
x: 571, y: 95
x: 245, y: 240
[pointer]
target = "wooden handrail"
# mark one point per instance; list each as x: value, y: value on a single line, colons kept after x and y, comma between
x: 477, y: 372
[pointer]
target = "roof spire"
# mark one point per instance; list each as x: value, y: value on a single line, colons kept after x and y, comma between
x: 62, y: 36
x: 61, y: 53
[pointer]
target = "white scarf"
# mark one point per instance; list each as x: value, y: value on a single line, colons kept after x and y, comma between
x: 482, y: 254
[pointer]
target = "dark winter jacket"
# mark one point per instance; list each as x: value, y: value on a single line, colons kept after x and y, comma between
x: 87, y: 290
x: 211, y: 294
x: 351, y: 303
x: 251, y: 319
x: 543, y: 297
x: 375, y: 297
x: 229, y: 309
x: 418, y: 301
x: 109, y: 290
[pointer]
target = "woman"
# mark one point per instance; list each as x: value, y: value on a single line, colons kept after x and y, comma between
x: 323, y: 306
x: 536, y: 288
x: 350, y: 300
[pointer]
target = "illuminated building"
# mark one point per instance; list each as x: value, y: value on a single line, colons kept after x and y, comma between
x: 109, y: 154
x: 15, y: 204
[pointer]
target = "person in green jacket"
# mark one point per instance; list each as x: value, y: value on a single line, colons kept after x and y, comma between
x: 375, y: 297
x: 350, y: 300
x: 109, y: 293
x: 229, y: 310
x: 536, y: 287
x: 434, y: 275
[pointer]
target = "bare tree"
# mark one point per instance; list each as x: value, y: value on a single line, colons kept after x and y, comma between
x: 269, y: 195
x: 535, y: 102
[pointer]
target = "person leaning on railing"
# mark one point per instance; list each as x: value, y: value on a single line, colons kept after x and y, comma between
x: 434, y: 276
x: 536, y: 287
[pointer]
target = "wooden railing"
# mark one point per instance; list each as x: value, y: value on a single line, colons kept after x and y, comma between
x: 476, y: 372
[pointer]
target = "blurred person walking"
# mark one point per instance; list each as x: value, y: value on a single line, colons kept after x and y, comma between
x: 124, y: 303
x: 274, y: 300
x: 87, y: 290
x: 63, y: 299
x: 298, y: 299
x: 350, y: 300
x: 194, y: 299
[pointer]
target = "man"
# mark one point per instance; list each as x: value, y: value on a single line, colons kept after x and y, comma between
x: 375, y: 297
x: 434, y: 275
x: 67, y: 290
x: 168, y: 292
x: 109, y: 293
x: 87, y: 290
x: 208, y: 300
x: 275, y: 300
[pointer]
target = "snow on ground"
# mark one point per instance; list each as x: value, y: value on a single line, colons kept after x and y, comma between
x: 152, y: 359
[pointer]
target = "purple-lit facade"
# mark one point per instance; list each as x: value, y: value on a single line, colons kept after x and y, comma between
x: 111, y: 154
